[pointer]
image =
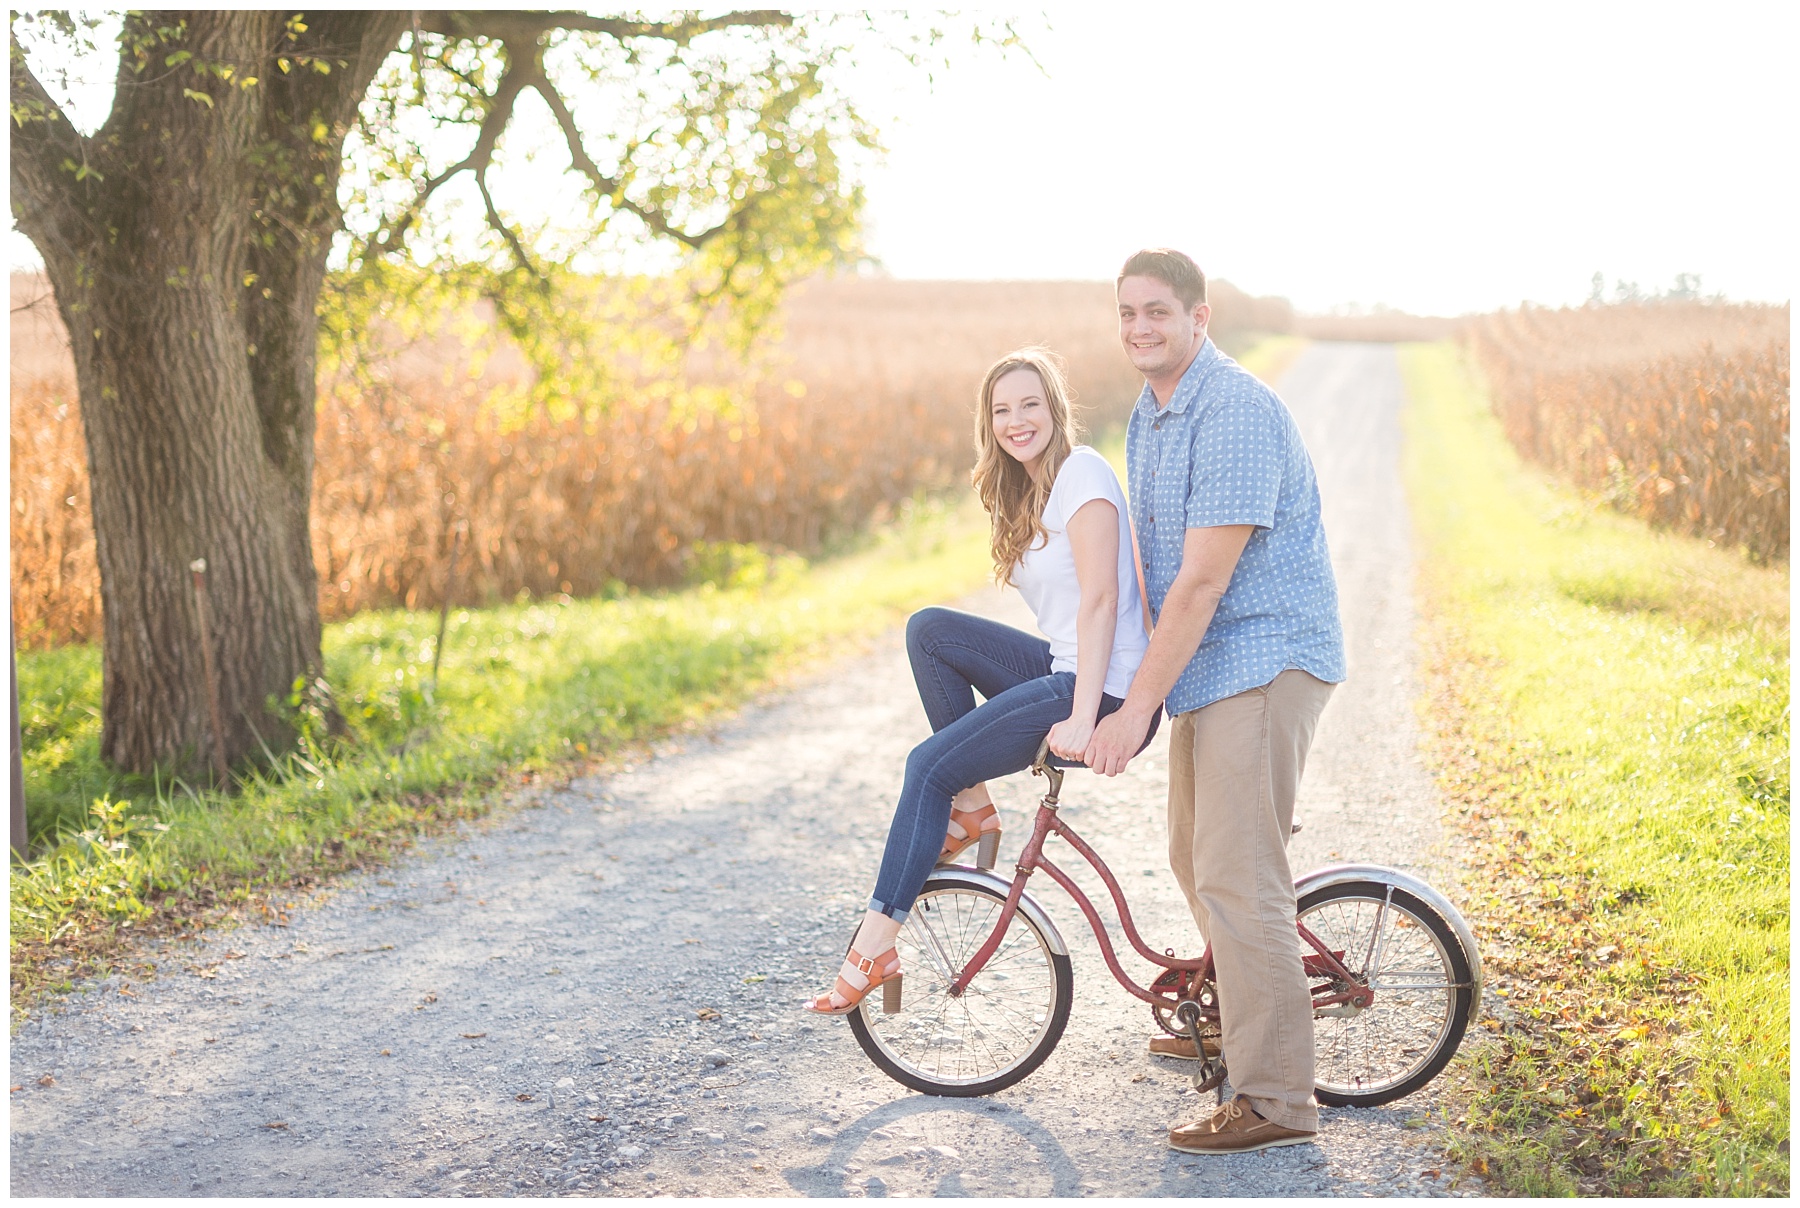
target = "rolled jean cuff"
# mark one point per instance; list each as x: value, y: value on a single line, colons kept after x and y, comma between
x: 893, y: 912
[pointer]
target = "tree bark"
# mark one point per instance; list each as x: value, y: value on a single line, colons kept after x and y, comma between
x: 186, y: 242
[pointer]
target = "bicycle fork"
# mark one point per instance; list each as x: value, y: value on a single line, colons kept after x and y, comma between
x: 1041, y: 827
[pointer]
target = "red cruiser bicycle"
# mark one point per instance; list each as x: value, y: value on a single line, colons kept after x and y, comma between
x: 1394, y: 970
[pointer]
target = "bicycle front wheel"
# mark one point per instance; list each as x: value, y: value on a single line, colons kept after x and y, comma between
x: 1002, y: 1026
x: 1404, y: 950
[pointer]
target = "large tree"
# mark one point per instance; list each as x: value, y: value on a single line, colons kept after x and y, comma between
x: 187, y: 242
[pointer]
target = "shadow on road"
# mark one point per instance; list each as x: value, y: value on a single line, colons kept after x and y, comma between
x: 912, y: 1173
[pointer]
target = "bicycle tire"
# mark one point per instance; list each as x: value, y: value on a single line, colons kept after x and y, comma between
x: 1026, y: 989
x: 1409, y: 1033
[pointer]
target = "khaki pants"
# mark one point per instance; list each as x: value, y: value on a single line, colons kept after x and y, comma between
x: 1234, y: 768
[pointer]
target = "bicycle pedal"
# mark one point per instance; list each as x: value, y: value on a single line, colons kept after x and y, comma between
x: 987, y: 850
x: 1210, y: 1076
x: 890, y: 994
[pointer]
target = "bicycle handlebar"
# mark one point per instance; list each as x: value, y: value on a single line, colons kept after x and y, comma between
x: 1046, y: 760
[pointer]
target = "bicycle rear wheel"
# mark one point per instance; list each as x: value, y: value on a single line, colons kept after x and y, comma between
x: 1005, y: 1023
x: 1409, y: 955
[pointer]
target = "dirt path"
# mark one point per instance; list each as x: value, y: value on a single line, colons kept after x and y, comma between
x: 518, y: 1010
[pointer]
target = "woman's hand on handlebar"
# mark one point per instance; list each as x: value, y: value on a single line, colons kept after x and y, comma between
x: 1069, y: 738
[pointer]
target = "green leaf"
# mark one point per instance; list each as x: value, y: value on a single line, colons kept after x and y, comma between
x: 192, y: 95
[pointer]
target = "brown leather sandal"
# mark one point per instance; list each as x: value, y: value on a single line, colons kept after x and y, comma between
x: 973, y: 826
x: 846, y: 995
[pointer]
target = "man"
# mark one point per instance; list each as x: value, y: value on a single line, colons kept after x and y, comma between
x: 1246, y: 649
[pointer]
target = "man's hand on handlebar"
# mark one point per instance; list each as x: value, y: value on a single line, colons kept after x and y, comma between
x: 1116, y: 740
x: 1069, y: 738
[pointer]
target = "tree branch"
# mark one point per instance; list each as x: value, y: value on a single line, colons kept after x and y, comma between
x: 519, y: 74
x: 43, y: 144
x: 520, y: 35
x: 499, y: 224
x: 519, y: 26
x: 611, y: 187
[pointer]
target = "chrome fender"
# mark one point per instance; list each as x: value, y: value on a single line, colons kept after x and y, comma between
x: 1027, y: 905
x: 1340, y: 874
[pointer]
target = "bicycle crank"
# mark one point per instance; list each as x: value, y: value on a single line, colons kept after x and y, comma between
x: 1343, y: 1010
x: 1211, y: 1074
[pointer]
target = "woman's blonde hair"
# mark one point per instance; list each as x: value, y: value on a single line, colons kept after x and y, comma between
x: 1012, y: 499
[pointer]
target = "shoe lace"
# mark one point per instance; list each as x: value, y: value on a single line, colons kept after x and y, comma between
x: 1226, y: 1113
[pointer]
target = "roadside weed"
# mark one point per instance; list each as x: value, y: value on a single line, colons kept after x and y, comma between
x: 98, y: 871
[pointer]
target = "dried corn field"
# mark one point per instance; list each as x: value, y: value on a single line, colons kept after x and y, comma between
x: 866, y: 401
x: 55, y: 584
x: 1675, y: 412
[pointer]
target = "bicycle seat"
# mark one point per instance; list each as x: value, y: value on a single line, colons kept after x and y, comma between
x: 1057, y: 761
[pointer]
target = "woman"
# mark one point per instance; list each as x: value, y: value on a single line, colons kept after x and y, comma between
x: 1062, y: 537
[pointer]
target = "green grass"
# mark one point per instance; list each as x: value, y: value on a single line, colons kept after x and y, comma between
x: 1612, y: 710
x: 521, y: 688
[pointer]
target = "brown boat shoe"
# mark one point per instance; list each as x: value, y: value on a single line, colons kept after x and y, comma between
x: 1234, y: 1128
x: 1181, y: 1048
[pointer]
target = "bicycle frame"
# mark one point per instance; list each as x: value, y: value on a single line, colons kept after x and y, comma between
x: 1320, y: 963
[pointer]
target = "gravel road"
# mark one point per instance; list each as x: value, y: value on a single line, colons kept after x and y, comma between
x: 594, y: 992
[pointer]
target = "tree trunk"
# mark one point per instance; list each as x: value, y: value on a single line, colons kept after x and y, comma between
x: 186, y: 243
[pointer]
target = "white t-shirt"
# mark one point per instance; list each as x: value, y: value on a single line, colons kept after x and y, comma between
x: 1045, y: 576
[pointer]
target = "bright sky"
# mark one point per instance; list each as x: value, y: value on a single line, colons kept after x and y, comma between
x: 1433, y: 157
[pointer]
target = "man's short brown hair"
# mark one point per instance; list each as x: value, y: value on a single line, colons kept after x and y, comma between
x: 1174, y: 269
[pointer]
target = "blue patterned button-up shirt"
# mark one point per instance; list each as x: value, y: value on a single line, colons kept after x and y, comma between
x: 1226, y: 451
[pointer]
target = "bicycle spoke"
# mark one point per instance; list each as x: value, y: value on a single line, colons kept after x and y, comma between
x: 1410, y: 973
x: 1000, y: 1019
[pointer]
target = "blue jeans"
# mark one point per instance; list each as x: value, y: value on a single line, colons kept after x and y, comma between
x: 955, y: 655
